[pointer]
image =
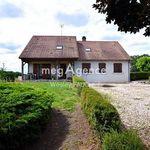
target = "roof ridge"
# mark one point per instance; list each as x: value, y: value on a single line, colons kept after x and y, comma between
x: 98, y: 41
x: 52, y: 36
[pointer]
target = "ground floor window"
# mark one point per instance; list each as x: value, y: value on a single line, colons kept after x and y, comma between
x: 86, y: 67
x: 117, y: 67
x: 102, y: 67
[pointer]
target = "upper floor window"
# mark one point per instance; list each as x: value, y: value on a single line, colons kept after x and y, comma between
x: 102, y: 67
x: 59, y: 47
x: 117, y: 67
x: 86, y: 67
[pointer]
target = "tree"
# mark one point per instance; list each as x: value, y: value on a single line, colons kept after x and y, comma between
x: 133, y: 63
x: 143, y: 64
x: 129, y: 15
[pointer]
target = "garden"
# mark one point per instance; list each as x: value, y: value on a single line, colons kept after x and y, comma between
x: 25, y: 109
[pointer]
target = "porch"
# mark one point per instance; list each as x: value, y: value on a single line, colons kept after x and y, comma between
x: 48, y: 71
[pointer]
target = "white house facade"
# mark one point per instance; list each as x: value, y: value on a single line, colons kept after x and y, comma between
x: 109, y: 75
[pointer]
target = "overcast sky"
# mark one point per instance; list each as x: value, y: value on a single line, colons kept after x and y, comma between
x: 21, y: 19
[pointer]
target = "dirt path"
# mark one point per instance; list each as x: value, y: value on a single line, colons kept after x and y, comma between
x: 67, y: 131
x: 132, y: 101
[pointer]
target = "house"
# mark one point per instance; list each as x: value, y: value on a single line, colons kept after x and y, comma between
x: 59, y: 57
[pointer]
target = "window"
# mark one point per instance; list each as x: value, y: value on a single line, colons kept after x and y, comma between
x: 59, y: 47
x: 117, y: 67
x: 102, y: 67
x: 86, y: 67
x: 88, y: 49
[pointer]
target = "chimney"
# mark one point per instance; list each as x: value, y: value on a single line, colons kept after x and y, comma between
x: 83, y: 38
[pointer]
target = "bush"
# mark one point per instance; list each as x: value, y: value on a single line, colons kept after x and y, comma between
x: 24, y: 112
x: 79, y: 83
x: 139, y: 75
x: 127, y: 140
x: 77, y: 79
x: 8, y: 75
x: 100, y: 113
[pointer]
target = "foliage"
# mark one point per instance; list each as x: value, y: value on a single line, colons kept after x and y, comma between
x: 79, y: 83
x: 129, y: 15
x: 134, y: 61
x: 143, y: 64
x: 127, y: 140
x: 77, y: 79
x: 100, y: 113
x: 24, y: 112
x: 139, y: 75
x: 105, y: 119
x: 8, y: 75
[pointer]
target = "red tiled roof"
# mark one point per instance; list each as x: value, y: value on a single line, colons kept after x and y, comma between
x: 102, y: 50
x: 44, y: 47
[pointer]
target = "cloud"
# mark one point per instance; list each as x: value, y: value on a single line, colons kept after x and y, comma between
x: 72, y: 19
x: 11, y: 61
x: 9, y: 46
x: 8, y: 10
x: 32, y: 17
x: 112, y: 37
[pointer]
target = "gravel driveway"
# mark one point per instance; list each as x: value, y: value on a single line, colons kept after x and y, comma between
x: 132, y: 101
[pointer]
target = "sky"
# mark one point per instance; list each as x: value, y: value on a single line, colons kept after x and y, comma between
x: 21, y: 19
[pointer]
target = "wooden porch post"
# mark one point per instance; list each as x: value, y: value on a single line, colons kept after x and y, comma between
x: 56, y: 70
x: 22, y: 69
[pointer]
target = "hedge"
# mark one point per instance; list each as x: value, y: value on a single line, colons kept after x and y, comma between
x: 8, y: 75
x: 126, y: 140
x: 139, y: 75
x: 105, y: 119
x: 79, y: 83
x: 24, y: 113
x: 101, y: 114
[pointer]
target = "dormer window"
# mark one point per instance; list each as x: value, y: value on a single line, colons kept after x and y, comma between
x: 59, y: 47
x: 88, y: 49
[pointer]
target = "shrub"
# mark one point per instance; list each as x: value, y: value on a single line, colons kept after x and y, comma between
x: 100, y: 113
x: 77, y: 79
x: 8, y: 75
x: 24, y: 112
x: 127, y: 140
x: 139, y: 75
x: 79, y: 83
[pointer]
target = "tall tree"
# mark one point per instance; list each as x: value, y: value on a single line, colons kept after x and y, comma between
x: 143, y: 64
x: 129, y: 15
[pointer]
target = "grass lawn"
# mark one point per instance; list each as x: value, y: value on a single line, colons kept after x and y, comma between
x: 65, y: 94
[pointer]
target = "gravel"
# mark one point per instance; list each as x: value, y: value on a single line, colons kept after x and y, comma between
x: 132, y: 101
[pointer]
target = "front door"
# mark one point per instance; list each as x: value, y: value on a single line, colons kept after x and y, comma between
x: 63, y: 75
x: 46, y: 71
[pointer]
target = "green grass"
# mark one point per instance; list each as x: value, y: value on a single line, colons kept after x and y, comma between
x: 65, y: 94
x: 126, y: 140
